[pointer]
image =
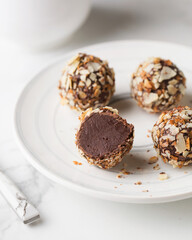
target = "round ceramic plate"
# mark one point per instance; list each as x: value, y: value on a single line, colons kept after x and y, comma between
x: 45, y: 130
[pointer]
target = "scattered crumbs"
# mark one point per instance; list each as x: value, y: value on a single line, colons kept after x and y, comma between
x: 115, y: 186
x: 120, y: 184
x: 119, y: 176
x: 138, y: 183
x: 156, y: 167
x: 153, y: 159
x: 145, y: 190
x: 139, y: 168
x: 163, y: 176
x: 149, y: 131
x: 148, y: 150
x: 131, y: 155
x: 125, y: 172
x: 77, y: 163
x: 185, y: 172
x: 148, y: 136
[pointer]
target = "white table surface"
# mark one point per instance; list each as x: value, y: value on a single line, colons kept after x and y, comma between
x: 66, y: 214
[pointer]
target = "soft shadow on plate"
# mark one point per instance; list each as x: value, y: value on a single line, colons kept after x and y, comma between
x: 130, y: 163
x: 186, y: 100
x: 122, y: 102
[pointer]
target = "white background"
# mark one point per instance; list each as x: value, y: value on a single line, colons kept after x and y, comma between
x: 67, y: 214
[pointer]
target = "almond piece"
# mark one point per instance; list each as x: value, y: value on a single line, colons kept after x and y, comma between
x: 151, y: 97
x: 163, y: 176
x: 188, y: 143
x: 180, y: 144
x: 153, y: 159
x: 166, y: 73
x: 82, y: 95
x: 171, y: 89
x: 147, y: 84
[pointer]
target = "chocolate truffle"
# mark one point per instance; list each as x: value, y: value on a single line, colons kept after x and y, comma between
x: 157, y: 85
x: 172, y: 136
x: 104, y: 137
x: 86, y: 82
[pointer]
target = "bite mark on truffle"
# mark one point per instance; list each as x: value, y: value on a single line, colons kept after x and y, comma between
x: 104, y: 137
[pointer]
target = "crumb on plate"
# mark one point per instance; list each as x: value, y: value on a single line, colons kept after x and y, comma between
x: 138, y: 183
x: 77, y: 163
x: 163, y: 176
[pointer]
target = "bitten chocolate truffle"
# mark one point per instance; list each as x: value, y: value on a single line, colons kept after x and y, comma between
x: 86, y: 82
x: 172, y: 136
x: 157, y: 85
x: 104, y: 137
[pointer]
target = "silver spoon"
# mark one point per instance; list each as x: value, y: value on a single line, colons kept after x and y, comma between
x: 17, y: 200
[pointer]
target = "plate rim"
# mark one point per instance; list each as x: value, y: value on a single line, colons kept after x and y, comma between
x: 75, y: 186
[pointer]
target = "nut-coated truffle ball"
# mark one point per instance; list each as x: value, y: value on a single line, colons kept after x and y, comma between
x: 104, y: 137
x: 157, y: 85
x: 86, y: 82
x: 172, y: 136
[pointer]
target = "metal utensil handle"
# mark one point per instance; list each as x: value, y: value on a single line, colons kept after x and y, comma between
x: 17, y: 200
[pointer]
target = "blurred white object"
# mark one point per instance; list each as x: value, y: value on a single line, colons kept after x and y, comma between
x: 41, y: 23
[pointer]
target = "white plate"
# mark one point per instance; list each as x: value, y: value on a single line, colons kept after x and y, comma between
x: 45, y: 130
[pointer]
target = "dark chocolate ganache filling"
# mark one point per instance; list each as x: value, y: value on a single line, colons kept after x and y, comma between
x: 102, y: 133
